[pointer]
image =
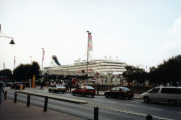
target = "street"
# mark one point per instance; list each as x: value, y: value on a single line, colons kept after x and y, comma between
x: 109, y: 108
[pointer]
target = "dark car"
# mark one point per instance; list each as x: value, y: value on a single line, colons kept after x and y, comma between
x: 120, y: 92
x: 17, y: 85
x: 57, y: 88
x: 84, y: 90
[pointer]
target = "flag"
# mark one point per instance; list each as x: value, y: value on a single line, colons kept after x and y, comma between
x: 90, y: 46
x: 43, y: 54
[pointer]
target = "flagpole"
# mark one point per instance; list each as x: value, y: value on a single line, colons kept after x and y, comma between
x: 87, y: 56
x: 42, y: 63
x: 14, y: 61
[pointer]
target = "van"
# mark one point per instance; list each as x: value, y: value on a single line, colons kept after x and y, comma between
x: 171, y: 95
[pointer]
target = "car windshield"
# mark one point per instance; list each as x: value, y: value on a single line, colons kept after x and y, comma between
x: 60, y: 86
x: 89, y: 87
x: 150, y: 90
x: 125, y: 89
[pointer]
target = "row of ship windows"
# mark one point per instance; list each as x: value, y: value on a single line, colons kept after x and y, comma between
x: 94, y: 63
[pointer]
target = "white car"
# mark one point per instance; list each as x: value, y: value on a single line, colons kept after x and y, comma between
x: 57, y: 88
x: 171, y: 95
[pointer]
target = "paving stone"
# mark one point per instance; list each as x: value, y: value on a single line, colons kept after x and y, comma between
x: 19, y: 111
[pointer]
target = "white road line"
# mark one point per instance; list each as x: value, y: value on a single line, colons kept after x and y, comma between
x: 155, y: 108
x: 111, y: 102
x: 130, y: 105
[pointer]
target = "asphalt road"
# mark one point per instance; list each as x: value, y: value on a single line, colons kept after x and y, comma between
x: 109, y: 108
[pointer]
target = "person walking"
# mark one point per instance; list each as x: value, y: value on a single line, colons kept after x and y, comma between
x: 66, y: 85
x: 1, y: 91
x: 41, y: 83
x: 70, y: 84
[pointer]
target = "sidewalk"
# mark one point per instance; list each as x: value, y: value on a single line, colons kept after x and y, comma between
x: 19, y: 111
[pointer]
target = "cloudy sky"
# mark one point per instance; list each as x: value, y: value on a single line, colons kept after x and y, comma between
x: 140, y: 32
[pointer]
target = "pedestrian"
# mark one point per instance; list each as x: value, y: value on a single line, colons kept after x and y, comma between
x: 70, y: 84
x: 1, y: 91
x: 41, y: 83
x: 66, y: 85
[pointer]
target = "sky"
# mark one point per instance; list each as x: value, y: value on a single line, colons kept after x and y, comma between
x: 139, y: 32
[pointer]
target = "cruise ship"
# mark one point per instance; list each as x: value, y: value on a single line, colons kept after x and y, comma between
x: 101, y: 66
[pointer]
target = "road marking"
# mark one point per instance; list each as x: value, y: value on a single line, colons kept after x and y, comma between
x: 130, y: 105
x: 179, y: 112
x: 111, y: 102
x: 127, y: 111
x: 155, y: 108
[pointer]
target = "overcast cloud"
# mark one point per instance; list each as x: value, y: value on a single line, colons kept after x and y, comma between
x: 139, y: 32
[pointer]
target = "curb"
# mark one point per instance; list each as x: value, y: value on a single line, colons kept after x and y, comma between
x: 54, y: 97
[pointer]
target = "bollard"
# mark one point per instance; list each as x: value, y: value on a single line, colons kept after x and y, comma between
x: 15, y: 97
x: 96, y: 113
x: 149, y: 117
x: 46, y: 102
x: 28, y: 100
x: 5, y: 95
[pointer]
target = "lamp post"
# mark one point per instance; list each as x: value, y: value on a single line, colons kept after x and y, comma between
x: 31, y: 59
x: 5, y: 36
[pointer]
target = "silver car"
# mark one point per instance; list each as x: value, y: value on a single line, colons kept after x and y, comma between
x: 57, y: 88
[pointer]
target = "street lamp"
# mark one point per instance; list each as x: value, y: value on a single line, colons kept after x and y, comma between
x: 5, y: 36
x: 31, y: 59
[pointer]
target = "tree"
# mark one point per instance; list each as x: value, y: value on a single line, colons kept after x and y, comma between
x: 35, y: 70
x: 26, y: 71
x: 6, y: 72
x: 168, y: 71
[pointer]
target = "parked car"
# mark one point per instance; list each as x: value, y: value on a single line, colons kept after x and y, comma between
x: 171, y: 95
x: 3, y: 84
x: 57, y: 88
x: 9, y: 84
x: 84, y: 90
x: 120, y: 92
x: 17, y: 85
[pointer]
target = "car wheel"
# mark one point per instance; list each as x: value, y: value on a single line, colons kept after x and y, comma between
x: 129, y: 98
x: 146, y: 99
x: 83, y: 94
x: 73, y: 93
x: 11, y: 87
x: 49, y: 90
x: 63, y: 92
x: 92, y: 95
x: 121, y: 97
x: 172, y: 102
x: 107, y: 95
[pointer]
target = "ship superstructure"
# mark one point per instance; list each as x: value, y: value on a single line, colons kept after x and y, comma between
x: 102, y: 66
